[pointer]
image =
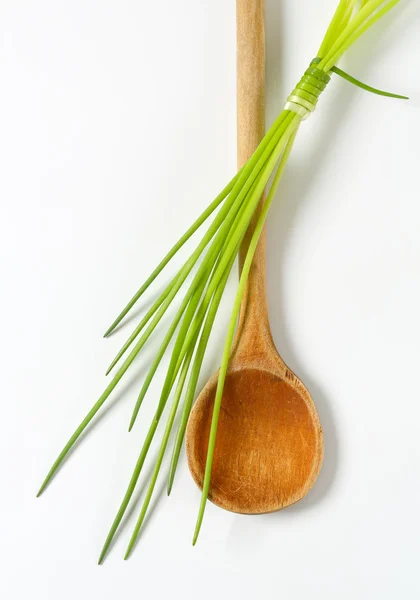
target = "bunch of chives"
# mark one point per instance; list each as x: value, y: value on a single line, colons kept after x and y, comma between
x: 216, y: 254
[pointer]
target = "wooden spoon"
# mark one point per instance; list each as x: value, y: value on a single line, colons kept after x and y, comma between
x: 269, y: 445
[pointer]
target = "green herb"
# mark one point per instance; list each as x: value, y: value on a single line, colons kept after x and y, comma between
x: 217, y: 251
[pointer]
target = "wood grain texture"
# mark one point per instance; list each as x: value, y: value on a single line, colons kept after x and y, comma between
x: 269, y: 444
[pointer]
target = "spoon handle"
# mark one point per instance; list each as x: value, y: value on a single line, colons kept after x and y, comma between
x: 250, y: 92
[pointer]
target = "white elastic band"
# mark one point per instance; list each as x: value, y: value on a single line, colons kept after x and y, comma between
x: 298, y: 109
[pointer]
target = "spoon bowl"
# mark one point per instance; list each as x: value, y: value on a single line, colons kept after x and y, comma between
x: 269, y: 446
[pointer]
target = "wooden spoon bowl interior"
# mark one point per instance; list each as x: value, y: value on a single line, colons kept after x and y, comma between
x: 269, y: 445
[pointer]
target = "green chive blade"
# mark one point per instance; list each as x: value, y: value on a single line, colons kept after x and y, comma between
x: 201, y: 219
x: 130, y: 490
x: 364, y: 86
x: 161, y: 453
x: 78, y: 432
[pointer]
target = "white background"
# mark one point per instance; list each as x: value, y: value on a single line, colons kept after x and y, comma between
x: 117, y: 127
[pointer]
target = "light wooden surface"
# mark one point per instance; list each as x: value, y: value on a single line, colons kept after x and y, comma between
x: 269, y: 445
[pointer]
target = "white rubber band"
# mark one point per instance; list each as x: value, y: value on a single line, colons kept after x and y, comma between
x: 302, y: 101
x: 298, y: 109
